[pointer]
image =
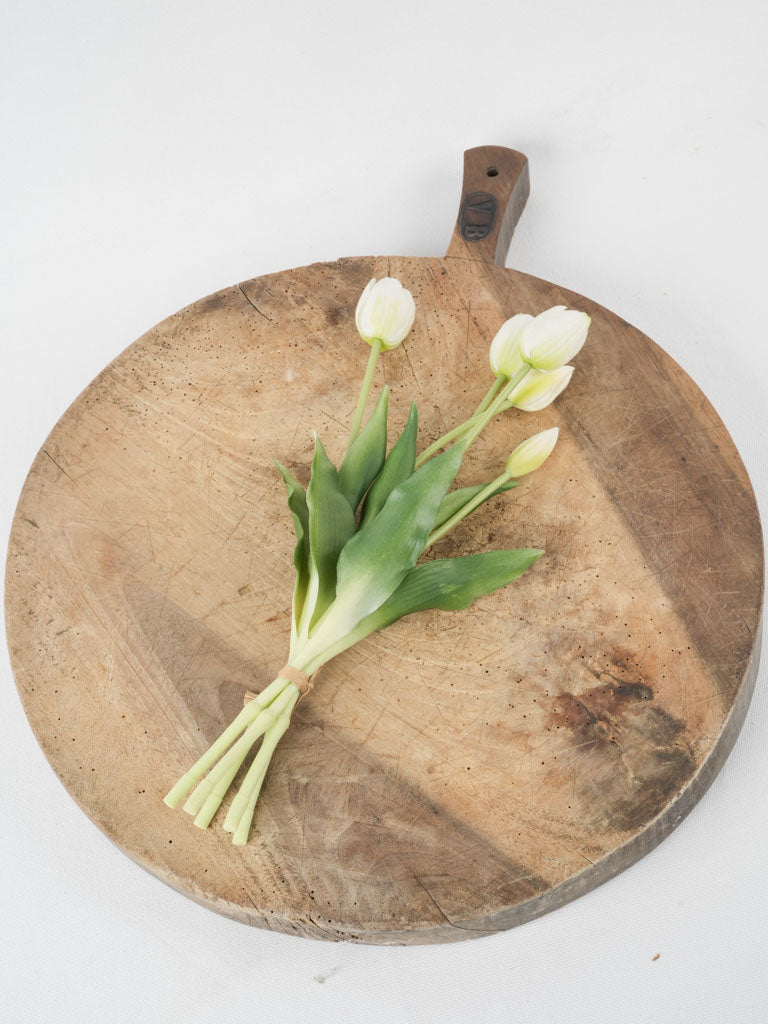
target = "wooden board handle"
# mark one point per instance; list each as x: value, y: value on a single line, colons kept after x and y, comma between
x: 495, y: 188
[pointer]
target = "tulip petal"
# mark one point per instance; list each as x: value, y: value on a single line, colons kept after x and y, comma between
x: 539, y: 388
x: 534, y: 451
x: 505, y: 348
x: 554, y: 337
x: 385, y: 312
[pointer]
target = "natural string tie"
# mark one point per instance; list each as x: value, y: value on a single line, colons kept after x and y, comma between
x: 301, y: 681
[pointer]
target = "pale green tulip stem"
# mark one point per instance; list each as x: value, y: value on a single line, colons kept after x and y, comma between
x: 490, y: 394
x: 258, y: 768
x: 248, y: 793
x: 499, y: 404
x: 219, y: 778
x: 269, y: 714
x: 441, y: 442
x: 491, y: 406
x: 213, y: 800
x: 470, y: 506
x: 357, y: 419
x: 223, y: 743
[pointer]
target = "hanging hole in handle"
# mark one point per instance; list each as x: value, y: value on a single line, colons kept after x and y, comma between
x: 492, y: 172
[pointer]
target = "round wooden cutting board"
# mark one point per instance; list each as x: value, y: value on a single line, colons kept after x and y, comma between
x: 461, y: 772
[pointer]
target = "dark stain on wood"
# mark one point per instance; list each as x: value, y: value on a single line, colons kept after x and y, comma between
x: 637, y: 753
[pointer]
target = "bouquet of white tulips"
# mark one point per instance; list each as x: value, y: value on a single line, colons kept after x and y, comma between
x: 361, y: 529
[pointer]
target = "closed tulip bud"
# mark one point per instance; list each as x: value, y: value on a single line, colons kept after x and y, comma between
x: 554, y: 338
x: 505, y: 347
x: 529, y: 455
x: 385, y: 312
x: 539, y: 388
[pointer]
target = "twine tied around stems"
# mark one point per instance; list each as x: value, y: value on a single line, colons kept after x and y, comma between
x: 301, y: 681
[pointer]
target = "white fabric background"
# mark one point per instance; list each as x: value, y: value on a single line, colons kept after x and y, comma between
x: 140, y: 141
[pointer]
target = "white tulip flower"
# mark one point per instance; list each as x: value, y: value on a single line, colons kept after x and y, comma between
x: 385, y: 312
x: 539, y: 388
x: 505, y: 347
x: 532, y: 453
x: 554, y: 338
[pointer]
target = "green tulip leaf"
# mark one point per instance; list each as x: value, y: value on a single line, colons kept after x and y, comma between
x: 365, y: 455
x: 449, y: 584
x: 397, y: 468
x: 331, y: 524
x: 375, y: 560
x: 297, y: 504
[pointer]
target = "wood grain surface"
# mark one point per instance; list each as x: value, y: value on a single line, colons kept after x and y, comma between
x: 461, y: 772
